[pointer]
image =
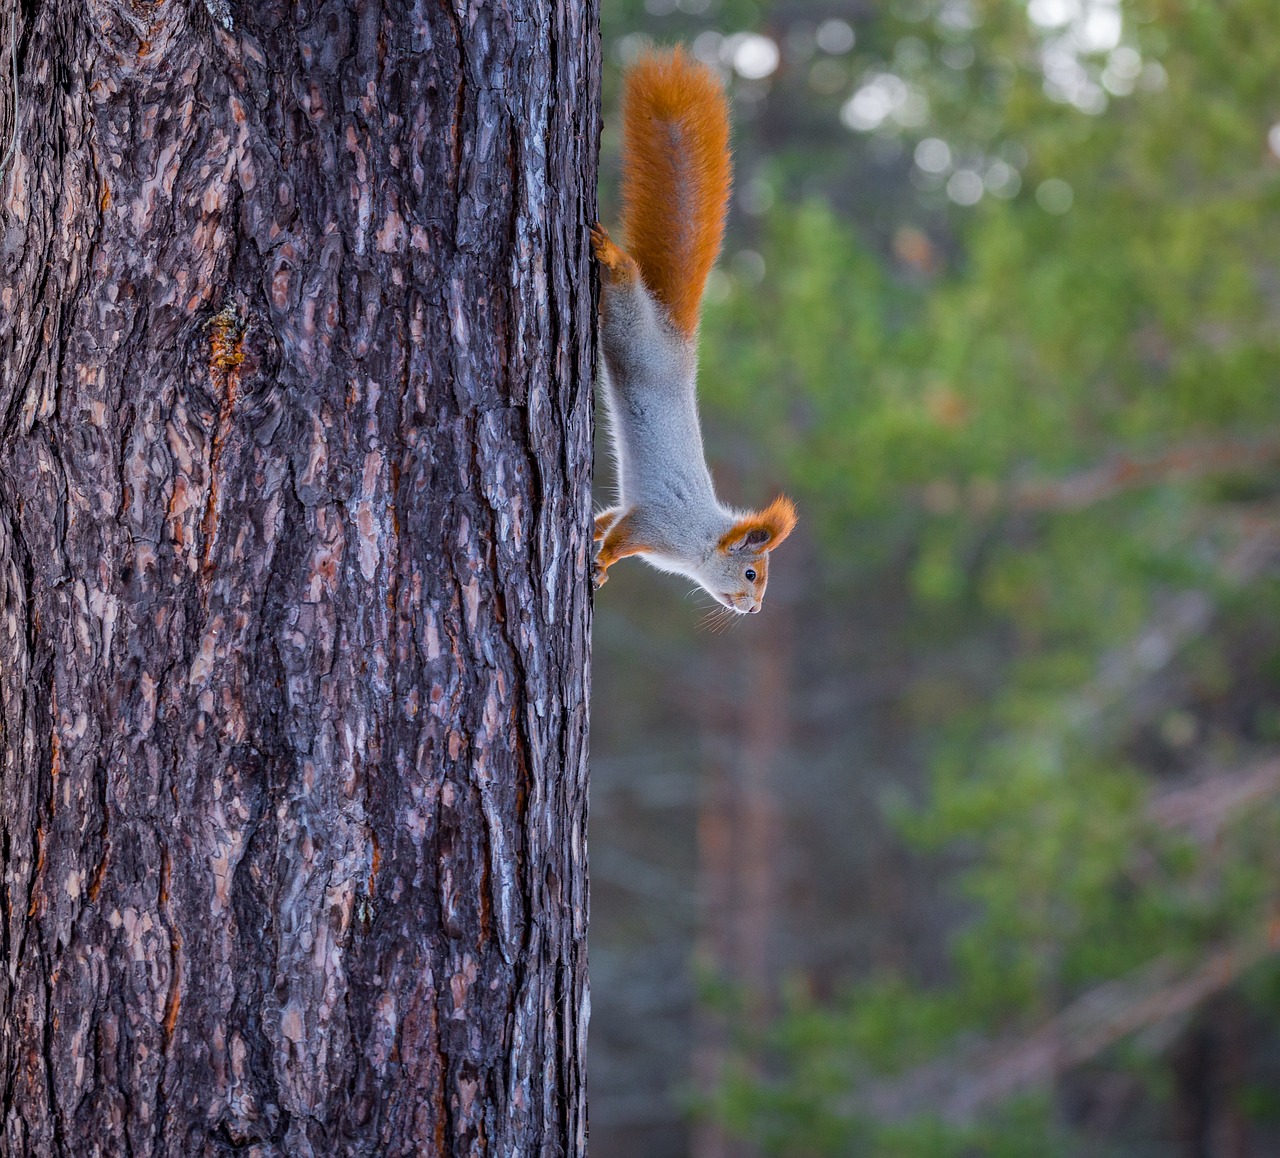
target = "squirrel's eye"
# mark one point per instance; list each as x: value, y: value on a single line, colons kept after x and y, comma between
x: 750, y: 574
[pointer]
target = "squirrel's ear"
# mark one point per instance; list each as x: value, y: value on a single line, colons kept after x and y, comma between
x: 761, y: 531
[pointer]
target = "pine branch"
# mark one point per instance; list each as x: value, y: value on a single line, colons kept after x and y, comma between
x: 960, y: 1088
x: 1205, y: 807
x: 1126, y: 472
x: 1119, y: 473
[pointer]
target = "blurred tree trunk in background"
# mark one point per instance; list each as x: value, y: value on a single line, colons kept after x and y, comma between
x: 713, y: 942
x: 1209, y: 1065
x: 295, y: 455
x: 740, y: 842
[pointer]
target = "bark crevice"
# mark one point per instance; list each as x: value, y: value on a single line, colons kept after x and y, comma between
x: 295, y: 439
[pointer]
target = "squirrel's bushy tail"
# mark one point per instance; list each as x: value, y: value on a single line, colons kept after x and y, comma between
x: 675, y: 177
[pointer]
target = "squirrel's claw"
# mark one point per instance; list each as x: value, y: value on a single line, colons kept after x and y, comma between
x: 616, y: 264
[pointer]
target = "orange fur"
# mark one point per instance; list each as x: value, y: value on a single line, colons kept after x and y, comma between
x: 676, y: 177
x: 618, y: 544
x: 617, y: 266
x: 776, y: 521
x: 605, y: 520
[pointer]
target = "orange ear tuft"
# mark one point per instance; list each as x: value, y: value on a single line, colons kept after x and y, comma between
x: 761, y: 531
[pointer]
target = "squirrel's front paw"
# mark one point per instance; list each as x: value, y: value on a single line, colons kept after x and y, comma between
x: 616, y: 264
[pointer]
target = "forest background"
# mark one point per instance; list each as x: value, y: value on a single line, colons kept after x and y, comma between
x: 969, y: 843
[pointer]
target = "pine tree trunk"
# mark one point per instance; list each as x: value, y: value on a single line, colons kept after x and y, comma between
x: 295, y: 329
x: 740, y: 850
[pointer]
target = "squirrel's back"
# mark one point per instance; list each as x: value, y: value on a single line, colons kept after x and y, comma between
x: 675, y: 177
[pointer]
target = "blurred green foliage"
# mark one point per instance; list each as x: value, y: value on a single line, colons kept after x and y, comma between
x: 930, y: 387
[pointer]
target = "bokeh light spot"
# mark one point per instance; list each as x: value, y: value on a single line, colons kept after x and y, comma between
x: 1055, y: 196
x: 752, y: 56
x: 965, y: 187
x: 933, y: 155
x: 835, y: 36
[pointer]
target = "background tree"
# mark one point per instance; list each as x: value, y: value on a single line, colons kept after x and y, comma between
x: 294, y: 486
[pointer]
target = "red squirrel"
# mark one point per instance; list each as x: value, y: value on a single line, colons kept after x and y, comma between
x: 675, y: 192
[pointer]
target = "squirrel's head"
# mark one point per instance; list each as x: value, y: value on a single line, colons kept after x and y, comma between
x: 738, y: 570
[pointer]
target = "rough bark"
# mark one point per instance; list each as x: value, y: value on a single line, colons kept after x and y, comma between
x: 294, y: 624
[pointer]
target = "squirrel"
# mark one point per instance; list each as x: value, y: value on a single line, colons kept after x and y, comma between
x: 676, y: 175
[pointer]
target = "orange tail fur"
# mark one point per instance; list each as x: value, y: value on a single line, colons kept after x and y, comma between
x: 676, y: 176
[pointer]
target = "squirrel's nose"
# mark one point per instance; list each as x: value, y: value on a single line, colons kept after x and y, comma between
x: 755, y: 608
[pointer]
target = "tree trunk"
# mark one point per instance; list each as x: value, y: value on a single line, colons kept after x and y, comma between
x: 740, y: 847
x: 295, y: 361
